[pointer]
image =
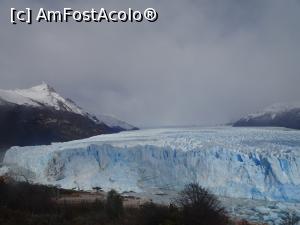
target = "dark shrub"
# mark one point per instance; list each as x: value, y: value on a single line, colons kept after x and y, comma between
x: 25, y: 196
x: 200, y: 207
x: 152, y: 214
x: 114, y: 205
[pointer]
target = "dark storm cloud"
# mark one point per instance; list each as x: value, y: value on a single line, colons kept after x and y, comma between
x: 202, y: 62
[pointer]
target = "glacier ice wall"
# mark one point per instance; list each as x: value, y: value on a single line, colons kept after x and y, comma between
x: 258, y: 163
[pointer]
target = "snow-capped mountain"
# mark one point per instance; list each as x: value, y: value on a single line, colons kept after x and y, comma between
x: 280, y: 115
x: 39, y: 96
x: 39, y: 115
x: 45, y: 96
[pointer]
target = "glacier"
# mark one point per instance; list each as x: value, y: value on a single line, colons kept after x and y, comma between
x: 255, y: 163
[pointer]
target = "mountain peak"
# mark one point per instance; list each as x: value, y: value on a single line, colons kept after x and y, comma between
x: 43, y: 95
x: 43, y: 87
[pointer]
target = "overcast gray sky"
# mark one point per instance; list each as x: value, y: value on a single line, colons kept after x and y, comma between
x: 202, y: 62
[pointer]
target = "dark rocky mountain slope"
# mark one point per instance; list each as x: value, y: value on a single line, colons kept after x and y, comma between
x: 278, y: 115
x: 39, y: 115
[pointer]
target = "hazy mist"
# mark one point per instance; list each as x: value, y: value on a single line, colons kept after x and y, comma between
x: 202, y: 63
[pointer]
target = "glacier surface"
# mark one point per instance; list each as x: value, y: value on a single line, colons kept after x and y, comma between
x: 256, y: 163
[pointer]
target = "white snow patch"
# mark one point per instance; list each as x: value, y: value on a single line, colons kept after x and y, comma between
x: 274, y: 110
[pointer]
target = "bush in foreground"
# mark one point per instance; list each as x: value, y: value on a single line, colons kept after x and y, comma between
x: 114, y: 205
x: 27, y: 204
x: 26, y: 197
x: 200, y: 207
